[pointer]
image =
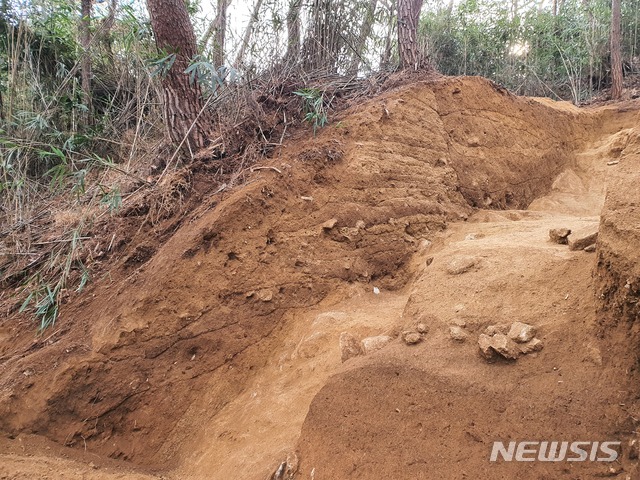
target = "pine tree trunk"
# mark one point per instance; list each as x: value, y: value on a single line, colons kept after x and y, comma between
x: 616, y: 51
x: 408, y: 15
x: 293, y: 31
x: 85, y: 66
x: 220, y: 33
x: 183, y: 105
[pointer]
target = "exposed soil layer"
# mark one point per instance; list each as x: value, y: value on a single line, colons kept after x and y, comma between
x: 201, y: 357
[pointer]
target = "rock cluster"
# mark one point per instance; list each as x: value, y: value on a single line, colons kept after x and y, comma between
x: 414, y: 334
x: 582, y: 239
x: 508, y: 341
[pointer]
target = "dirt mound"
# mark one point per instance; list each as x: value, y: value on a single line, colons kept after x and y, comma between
x: 410, y: 411
x: 619, y: 256
x: 162, y: 357
x: 618, y: 268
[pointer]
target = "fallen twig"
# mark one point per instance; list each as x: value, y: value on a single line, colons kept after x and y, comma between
x: 253, y: 169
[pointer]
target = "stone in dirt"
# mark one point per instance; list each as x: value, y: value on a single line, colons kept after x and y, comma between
x: 372, y: 344
x: 582, y: 238
x: 460, y: 322
x: 484, y: 343
x: 349, y: 346
x: 504, y: 346
x: 457, y: 333
x: 521, y: 332
x: 329, y: 224
x: 411, y: 338
x: 461, y: 264
x: 422, y: 328
x: 559, y: 235
x: 491, y: 330
x: 590, y: 248
x: 534, y: 345
x: 265, y: 295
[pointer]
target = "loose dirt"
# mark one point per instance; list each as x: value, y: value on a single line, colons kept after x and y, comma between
x: 217, y: 354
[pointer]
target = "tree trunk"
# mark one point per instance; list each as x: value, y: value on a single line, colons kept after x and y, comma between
x: 107, y: 26
x: 247, y: 33
x: 616, y: 51
x: 324, y: 41
x: 220, y: 33
x: 316, y: 42
x: 85, y: 66
x: 185, y: 117
x: 217, y: 30
x: 293, y: 31
x: 365, y: 32
x: 385, y: 58
x: 408, y: 15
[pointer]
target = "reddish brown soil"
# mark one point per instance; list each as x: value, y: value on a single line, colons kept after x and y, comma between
x: 199, y: 356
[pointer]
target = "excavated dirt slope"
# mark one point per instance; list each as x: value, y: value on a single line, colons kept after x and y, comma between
x: 217, y: 356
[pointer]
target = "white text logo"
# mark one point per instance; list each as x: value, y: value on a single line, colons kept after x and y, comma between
x: 555, y: 451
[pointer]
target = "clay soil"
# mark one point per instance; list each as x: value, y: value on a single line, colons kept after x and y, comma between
x: 213, y: 352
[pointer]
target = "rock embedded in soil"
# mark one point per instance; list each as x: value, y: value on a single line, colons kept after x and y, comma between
x: 484, y: 344
x: 422, y: 328
x: 411, y: 338
x: 265, y: 295
x: 461, y: 264
x: 590, y: 248
x: 534, y: 345
x: 491, y: 330
x: 457, y: 333
x: 329, y: 224
x: 372, y: 344
x: 459, y: 322
x: 349, y: 346
x: 504, y: 346
x: 521, y: 332
x: 559, y: 235
x: 584, y: 237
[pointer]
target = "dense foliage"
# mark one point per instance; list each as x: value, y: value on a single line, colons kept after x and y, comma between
x: 534, y: 51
